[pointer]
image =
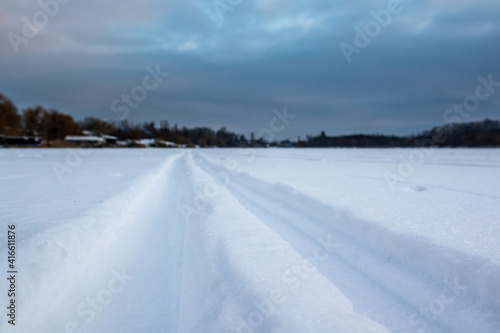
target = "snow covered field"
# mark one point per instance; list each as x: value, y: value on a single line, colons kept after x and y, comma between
x: 333, y: 240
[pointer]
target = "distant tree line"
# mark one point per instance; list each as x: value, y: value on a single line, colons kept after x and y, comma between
x: 51, y: 126
x: 36, y: 121
x: 54, y: 126
x: 473, y: 134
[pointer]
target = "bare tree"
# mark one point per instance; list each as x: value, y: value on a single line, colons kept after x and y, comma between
x: 10, y: 120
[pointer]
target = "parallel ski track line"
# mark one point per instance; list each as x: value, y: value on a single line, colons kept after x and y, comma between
x: 351, y: 255
x: 263, y: 268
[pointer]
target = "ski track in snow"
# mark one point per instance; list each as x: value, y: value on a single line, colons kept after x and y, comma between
x: 196, y: 246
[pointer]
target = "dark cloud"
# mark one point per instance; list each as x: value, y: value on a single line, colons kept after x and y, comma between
x: 263, y: 55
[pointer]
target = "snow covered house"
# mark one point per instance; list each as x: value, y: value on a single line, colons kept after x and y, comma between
x: 83, y: 140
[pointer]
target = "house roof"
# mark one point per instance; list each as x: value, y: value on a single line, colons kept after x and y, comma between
x: 83, y: 138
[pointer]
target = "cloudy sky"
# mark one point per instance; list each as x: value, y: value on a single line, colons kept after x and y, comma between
x: 231, y: 62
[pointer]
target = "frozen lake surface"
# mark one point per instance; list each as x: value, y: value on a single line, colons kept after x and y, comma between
x: 245, y: 240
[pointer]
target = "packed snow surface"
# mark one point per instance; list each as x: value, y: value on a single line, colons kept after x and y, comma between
x: 245, y: 240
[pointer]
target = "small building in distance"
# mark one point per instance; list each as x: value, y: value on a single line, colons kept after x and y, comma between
x: 82, y: 140
x: 110, y: 140
x: 17, y: 141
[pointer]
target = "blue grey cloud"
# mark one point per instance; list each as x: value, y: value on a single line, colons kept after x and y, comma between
x: 261, y: 55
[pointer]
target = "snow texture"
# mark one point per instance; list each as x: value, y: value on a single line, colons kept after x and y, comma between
x: 245, y: 240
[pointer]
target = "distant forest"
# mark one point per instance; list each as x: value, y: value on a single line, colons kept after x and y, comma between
x: 52, y: 127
